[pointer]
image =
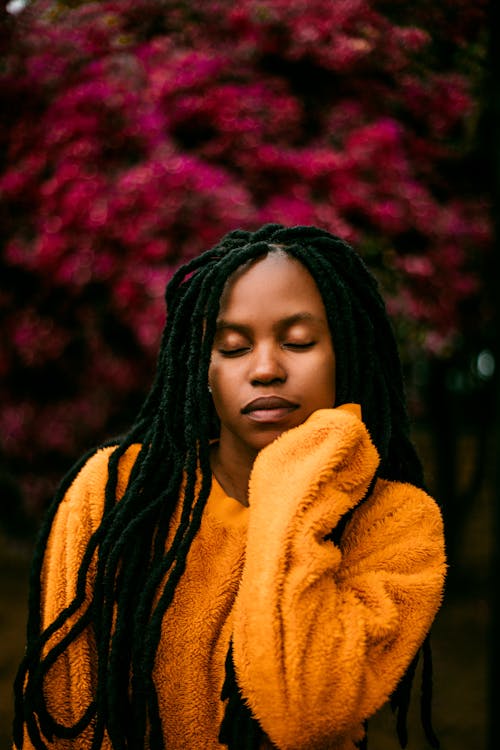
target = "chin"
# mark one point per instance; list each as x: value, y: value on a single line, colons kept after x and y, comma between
x: 268, y: 438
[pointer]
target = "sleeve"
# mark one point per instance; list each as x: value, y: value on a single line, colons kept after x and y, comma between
x: 323, y: 633
x: 69, y: 683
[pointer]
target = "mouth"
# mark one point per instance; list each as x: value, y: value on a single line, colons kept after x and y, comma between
x: 269, y: 409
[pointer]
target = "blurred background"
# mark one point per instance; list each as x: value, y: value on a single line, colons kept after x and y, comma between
x: 135, y: 133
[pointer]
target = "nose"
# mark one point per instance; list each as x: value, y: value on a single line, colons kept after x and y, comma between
x: 267, y: 366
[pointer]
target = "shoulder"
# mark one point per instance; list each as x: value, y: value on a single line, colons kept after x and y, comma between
x: 86, y: 492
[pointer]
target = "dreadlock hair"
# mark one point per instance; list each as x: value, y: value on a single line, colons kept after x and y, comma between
x: 174, y: 428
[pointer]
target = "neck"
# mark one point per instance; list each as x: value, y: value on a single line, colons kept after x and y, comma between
x: 232, y: 471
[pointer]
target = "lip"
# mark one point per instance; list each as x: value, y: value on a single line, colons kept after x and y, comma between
x: 269, y: 409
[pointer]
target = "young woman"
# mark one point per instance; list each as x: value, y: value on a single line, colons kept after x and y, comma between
x: 255, y: 565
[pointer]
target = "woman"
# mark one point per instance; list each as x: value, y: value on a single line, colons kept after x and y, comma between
x: 254, y: 564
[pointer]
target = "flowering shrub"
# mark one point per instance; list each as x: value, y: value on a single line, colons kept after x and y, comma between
x: 137, y: 132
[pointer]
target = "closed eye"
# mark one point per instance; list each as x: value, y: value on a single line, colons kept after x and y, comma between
x: 233, y: 352
x: 292, y: 345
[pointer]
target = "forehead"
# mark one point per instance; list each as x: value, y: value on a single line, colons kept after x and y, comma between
x: 275, y: 285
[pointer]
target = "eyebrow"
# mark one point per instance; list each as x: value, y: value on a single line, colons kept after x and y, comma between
x: 300, y: 317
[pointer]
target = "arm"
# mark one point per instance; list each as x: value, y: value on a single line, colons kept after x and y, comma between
x: 323, y: 633
x: 69, y: 684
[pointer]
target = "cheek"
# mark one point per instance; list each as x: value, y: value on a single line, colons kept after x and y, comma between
x: 219, y: 383
x: 213, y: 373
x: 321, y: 377
x: 213, y: 383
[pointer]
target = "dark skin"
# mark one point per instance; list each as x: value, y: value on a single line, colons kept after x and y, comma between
x: 272, y: 364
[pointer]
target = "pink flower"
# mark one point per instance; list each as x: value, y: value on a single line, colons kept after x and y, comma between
x: 136, y: 133
x: 416, y: 265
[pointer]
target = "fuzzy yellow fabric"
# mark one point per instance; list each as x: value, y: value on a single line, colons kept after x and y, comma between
x: 321, y: 633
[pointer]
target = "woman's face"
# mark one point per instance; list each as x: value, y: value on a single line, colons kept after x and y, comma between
x: 272, y: 362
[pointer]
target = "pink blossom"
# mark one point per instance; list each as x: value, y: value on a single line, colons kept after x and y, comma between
x: 416, y: 265
x: 136, y: 133
x: 412, y: 38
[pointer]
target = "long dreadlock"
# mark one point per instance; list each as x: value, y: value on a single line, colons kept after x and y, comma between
x: 174, y: 428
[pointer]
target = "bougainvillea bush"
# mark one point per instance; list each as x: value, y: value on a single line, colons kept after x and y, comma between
x: 135, y: 133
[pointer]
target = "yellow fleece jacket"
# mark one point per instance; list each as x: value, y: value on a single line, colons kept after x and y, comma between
x: 321, y: 632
